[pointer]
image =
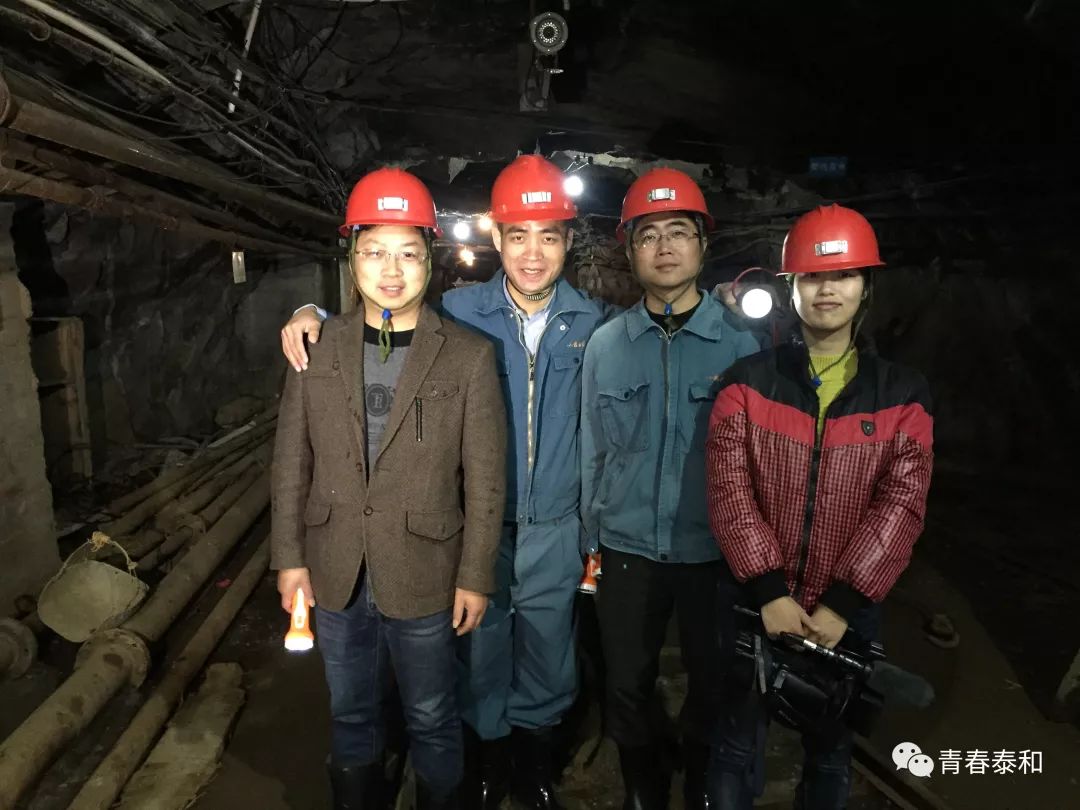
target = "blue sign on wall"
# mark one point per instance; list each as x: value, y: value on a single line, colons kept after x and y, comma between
x: 835, y: 166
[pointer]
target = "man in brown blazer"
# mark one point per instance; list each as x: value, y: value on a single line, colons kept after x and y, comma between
x: 388, y: 493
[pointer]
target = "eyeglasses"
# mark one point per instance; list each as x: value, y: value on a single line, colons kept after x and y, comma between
x: 404, y: 258
x: 677, y: 238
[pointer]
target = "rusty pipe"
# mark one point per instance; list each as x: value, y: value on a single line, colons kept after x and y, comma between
x: 175, y: 591
x: 195, y: 465
x: 104, y: 664
x: 113, y: 772
x: 31, y: 118
x: 134, y: 518
x: 173, y: 514
x: 223, y: 465
x: 113, y: 657
x: 176, y: 513
x: 18, y: 648
x: 16, y: 182
x: 213, y: 512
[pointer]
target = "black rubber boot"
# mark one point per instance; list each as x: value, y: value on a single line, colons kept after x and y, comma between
x: 356, y: 787
x: 487, y: 772
x: 696, y: 764
x: 532, y: 780
x: 644, y: 784
x: 426, y: 800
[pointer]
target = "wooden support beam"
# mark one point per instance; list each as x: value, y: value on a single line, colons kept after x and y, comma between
x: 29, y: 118
x: 87, y: 173
x: 16, y: 182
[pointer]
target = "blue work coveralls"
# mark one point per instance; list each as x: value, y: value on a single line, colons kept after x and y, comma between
x: 518, y: 665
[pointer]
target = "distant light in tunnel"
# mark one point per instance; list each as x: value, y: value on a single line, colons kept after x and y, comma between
x: 756, y: 302
x: 574, y: 185
x: 484, y: 223
x: 467, y: 256
x: 462, y: 230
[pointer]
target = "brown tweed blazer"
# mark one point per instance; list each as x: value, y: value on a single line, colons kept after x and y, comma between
x: 428, y: 515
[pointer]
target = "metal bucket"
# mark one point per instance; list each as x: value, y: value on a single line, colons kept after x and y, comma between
x: 88, y: 595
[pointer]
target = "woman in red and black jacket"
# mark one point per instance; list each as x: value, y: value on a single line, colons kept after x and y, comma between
x: 818, y: 461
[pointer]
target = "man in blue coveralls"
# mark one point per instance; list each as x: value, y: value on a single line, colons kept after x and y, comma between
x: 520, y: 674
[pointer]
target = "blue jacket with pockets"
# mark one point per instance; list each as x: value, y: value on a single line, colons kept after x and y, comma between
x: 646, y: 401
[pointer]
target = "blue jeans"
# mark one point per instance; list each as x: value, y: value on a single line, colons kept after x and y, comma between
x: 737, y: 759
x: 360, y: 649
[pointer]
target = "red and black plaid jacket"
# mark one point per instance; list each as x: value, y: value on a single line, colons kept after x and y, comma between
x: 830, y: 519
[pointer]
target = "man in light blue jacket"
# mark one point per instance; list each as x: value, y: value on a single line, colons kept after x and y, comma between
x: 648, y: 386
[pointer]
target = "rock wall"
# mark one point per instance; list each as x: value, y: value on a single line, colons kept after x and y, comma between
x: 170, y: 338
x: 27, y: 542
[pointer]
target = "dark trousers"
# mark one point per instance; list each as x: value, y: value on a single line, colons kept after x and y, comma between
x: 635, y: 600
x: 361, y: 648
x: 737, y: 763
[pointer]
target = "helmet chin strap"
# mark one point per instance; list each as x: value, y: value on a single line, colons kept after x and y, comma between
x: 384, y: 336
x: 669, y: 314
x: 678, y: 293
x: 387, y: 325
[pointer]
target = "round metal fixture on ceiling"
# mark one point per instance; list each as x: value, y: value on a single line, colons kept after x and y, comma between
x: 549, y: 33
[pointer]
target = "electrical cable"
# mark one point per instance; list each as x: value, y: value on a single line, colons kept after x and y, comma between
x: 273, y: 154
x: 92, y: 33
x: 177, y: 88
x: 299, y: 28
x: 148, y: 39
x: 397, y: 42
x: 325, y: 44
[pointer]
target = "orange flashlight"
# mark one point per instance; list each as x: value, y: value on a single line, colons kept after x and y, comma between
x: 592, y: 573
x: 299, y: 638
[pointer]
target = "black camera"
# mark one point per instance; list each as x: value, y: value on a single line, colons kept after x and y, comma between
x: 805, y: 686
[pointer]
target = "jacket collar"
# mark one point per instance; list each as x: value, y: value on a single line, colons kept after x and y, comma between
x: 707, y: 322
x: 493, y: 296
x: 796, y: 357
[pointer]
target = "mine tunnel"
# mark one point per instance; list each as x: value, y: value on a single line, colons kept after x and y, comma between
x: 498, y: 404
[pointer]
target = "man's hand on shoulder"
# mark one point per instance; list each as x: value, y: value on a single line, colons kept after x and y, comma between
x: 305, y: 321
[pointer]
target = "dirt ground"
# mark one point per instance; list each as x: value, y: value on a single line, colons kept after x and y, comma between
x: 276, y: 759
x: 996, y: 557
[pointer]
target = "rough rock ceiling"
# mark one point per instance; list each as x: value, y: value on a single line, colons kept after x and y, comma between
x: 331, y: 88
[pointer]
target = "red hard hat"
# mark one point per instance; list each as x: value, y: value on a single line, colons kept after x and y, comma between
x: 530, y: 189
x: 390, y: 197
x: 662, y: 190
x: 830, y: 237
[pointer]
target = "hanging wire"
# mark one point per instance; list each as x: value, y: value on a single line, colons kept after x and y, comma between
x: 324, y: 46
x: 199, y: 58
x: 299, y: 27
